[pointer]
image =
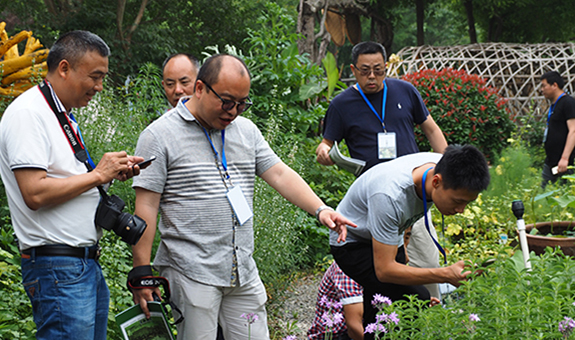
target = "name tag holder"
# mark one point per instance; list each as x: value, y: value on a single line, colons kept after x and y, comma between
x: 386, y: 145
x: 235, y: 195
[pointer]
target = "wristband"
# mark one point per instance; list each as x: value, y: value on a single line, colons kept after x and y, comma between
x: 139, y: 272
x: 320, y: 209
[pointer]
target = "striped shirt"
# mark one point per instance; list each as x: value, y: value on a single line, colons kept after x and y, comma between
x: 196, y: 225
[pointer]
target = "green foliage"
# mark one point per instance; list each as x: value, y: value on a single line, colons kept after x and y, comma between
x: 465, y: 109
x: 279, y: 72
x: 512, y: 21
x: 15, y: 310
x: 504, y: 302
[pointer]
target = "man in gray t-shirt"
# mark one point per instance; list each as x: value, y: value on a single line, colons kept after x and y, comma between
x: 389, y: 198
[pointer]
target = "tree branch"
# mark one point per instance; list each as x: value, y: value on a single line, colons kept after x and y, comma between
x: 138, y: 18
x: 120, y: 19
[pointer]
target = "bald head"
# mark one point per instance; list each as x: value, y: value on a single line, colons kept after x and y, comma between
x: 213, y: 66
x: 179, y: 76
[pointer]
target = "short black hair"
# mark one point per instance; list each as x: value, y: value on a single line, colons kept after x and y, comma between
x: 553, y: 77
x: 210, y: 70
x: 191, y: 57
x: 367, y: 47
x: 72, y: 46
x: 463, y: 167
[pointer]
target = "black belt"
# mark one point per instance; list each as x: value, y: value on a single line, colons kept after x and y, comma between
x: 63, y: 250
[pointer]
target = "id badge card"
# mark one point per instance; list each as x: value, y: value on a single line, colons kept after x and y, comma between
x: 386, y: 145
x: 239, y: 204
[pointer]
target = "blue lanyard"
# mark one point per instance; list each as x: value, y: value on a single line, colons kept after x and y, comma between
x: 382, y: 118
x: 426, y: 220
x: 224, y: 162
x: 82, y: 139
x: 552, y: 107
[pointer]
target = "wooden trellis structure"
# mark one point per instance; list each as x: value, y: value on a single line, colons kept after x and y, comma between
x: 515, y: 69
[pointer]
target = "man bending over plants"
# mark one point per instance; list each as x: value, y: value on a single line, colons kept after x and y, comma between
x: 388, y: 199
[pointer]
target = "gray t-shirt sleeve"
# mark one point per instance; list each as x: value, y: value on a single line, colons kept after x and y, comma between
x: 383, y: 218
x: 265, y: 156
x: 154, y: 177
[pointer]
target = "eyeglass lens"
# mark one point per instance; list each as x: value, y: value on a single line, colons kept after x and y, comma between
x: 366, y: 72
x: 228, y: 105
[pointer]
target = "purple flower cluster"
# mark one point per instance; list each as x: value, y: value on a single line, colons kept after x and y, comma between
x: 566, y: 326
x: 329, y: 321
x: 290, y: 337
x: 375, y: 328
x: 327, y: 304
x: 380, y: 302
x: 474, y: 317
x: 250, y: 317
x: 378, y: 299
x: 387, y: 318
x: 332, y: 316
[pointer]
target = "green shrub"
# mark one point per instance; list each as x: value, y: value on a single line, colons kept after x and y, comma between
x: 465, y: 109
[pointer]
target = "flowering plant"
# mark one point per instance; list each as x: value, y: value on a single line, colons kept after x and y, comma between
x: 467, y: 111
x: 504, y: 302
x: 250, y: 318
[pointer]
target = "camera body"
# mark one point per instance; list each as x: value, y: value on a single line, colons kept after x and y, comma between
x: 109, y: 216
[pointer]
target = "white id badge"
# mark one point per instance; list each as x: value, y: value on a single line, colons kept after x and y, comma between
x: 239, y: 204
x: 386, y: 146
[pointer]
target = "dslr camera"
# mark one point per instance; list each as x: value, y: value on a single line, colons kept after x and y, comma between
x: 109, y: 216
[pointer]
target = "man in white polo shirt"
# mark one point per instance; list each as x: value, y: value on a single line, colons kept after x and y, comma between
x: 52, y: 197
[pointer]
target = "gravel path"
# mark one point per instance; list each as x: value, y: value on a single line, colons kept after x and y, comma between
x: 298, y: 310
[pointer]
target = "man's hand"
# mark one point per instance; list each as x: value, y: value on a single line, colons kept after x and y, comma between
x: 117, y: 165
x: 142, y: 296
x: 322, y: 152
x: 335, y: 221
x: 562, y: 166
x: 457, y: 273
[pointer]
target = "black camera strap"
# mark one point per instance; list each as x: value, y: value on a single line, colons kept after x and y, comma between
x: 69, y: 132
x: 75, y: 143
x: 142, y: 277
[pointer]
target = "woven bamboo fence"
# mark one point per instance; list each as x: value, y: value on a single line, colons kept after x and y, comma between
x: 515, y: 69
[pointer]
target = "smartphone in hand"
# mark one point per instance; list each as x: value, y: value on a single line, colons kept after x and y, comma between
x: 147, y: 162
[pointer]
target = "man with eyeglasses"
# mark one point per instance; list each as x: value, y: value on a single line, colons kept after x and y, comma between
x: 202, y: 182
x: 376, y: 117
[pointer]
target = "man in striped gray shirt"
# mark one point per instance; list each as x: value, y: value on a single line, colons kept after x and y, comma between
x: 202, y: 183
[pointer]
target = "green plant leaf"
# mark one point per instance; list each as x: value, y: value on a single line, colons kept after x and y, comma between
x: 330, y: 65
x: 545, y: 194
x: 309, y: 90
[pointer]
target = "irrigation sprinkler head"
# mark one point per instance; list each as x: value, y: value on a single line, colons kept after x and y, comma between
x: 518, y: 209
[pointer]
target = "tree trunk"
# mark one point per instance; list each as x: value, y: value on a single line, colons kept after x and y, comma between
x: 382, y: 32
x: 495, y: 28
x: 420, y: 12
x: 470, y: 21
x: 306, y: 27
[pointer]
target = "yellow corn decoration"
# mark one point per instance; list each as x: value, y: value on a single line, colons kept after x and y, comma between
x: 20, y: 72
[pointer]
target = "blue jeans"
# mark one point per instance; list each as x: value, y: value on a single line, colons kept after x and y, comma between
x: 69, y: 296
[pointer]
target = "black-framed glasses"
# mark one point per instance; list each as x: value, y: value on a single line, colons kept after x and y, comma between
x: 228, y: 105
x: 378, y: 72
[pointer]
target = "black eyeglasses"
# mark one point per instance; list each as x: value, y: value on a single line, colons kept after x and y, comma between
x: 228, y: 105
x: 367, y: 71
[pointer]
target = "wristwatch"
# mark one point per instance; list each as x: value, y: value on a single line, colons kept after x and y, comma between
x: 320, y: 209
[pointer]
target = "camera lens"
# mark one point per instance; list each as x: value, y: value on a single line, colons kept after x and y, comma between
x: 130, y: 228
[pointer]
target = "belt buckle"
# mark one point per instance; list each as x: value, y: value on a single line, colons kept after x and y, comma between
x: 98, y: 253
